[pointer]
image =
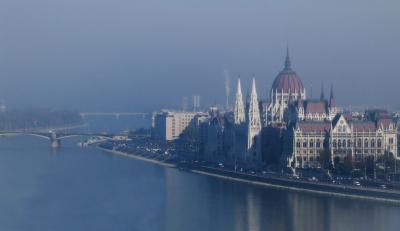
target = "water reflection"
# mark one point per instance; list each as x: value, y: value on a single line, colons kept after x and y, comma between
x: 194, y: 202
x: 85, y: 189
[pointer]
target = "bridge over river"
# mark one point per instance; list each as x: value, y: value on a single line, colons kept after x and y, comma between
x: 56, y: 137
x: 116, y: 114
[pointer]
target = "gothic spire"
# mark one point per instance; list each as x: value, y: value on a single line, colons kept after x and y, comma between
x: 331, y: 98
x: 254, y: 121
x: 239, y: 106
x: 322, y: 97
x: 253, y: 88
x: 287, y: 60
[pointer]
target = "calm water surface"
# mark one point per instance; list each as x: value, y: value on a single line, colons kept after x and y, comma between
x: 86, y: 189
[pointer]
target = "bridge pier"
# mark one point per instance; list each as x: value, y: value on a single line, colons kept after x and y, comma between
x: 55, y: 143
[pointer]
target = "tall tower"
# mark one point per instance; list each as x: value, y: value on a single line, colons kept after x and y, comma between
x: 254, y: 125
x: 333, y: 109
x: 286, y: 87
x: 287, y: 60
x: 239, y: 106
x: 332, y: 99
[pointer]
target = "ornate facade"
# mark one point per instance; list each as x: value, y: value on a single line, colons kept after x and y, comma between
x: 239, y: 106
x: 253, y: 126
x: 343, y: 138
x: 309, y: 140
x: 235, y: 137
x: 286, y: 88
x: 312, y: 110
x: 298, y: 129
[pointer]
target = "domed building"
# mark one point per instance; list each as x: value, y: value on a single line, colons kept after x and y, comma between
x: 287, y: 87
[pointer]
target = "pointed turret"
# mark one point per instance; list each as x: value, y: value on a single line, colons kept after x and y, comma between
x: 322, y: 97
x: 254, y: 121
x: 287, y: 60
x: 239, y: 106
x: 332, y: 99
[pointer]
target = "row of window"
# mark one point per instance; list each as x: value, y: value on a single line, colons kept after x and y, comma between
x: 357, y: 151
x: 359, y: 143
x: 309, y: 151
x: 305, y: 158
x: 342, y: 152
x: 368, y: 152
x: 337, y: 143
x: 342, y: 128
x: 309, y: 144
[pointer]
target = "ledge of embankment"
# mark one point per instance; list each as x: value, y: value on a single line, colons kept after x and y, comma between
x: 389, y: 196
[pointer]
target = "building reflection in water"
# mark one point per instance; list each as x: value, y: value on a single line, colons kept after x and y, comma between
x: 196, y: 202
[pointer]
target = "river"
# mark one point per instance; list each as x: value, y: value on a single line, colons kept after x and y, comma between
x: 85, y: 189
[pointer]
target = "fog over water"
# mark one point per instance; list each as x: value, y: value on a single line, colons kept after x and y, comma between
x: 146, y: 54
x: 86, y: 189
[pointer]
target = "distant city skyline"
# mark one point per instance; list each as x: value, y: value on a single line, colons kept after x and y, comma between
x: 146, y: 55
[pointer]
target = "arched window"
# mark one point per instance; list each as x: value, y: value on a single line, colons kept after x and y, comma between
x: 298, y: 144
x: 359, y: 142
x: 311, y: 143
x: 372, y: 143
x: 334, y: 144
x: 318, y: 145
x: 348, y: 143
x: 339, y: 143
x: 304, y: 143
x: 379, y: 143
x: 366, y: 143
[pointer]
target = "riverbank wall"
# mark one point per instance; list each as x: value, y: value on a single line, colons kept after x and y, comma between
x: 137, y: 157
x: 389, y: 196
x: 303, y: 186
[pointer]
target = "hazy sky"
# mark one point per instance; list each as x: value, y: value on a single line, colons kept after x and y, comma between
x: 142, y: 55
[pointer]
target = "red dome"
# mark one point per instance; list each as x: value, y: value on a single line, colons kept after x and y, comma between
x: 286, y: 81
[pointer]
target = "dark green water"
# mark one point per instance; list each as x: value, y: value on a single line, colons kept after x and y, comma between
x: 86, y: 189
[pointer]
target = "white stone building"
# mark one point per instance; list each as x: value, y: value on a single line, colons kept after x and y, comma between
x: 253, y: 127
x: 169, y: 125
x: 287, y: 87
x: 343, y: 137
